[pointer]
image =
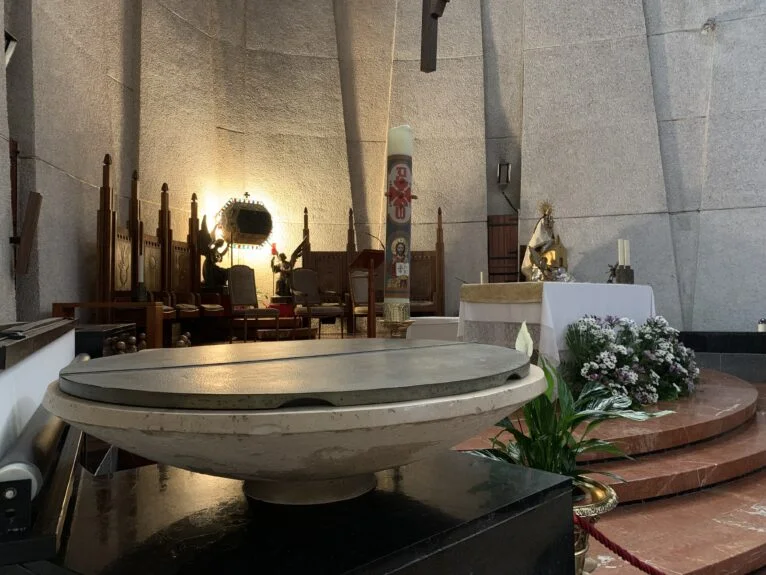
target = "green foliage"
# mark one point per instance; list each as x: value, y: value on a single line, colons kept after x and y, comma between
x: 548, y: 439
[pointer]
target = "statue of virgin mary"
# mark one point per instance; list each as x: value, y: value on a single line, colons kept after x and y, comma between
x: 545, y: 258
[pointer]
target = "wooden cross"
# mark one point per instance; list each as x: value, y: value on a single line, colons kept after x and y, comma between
x: 432, y: 11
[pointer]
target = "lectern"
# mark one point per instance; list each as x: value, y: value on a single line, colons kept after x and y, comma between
x: 369, y: 260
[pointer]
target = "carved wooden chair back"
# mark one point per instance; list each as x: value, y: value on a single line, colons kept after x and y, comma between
x: 305, y: 287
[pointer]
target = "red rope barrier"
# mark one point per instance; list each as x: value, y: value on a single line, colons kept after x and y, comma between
x: 613, y: 547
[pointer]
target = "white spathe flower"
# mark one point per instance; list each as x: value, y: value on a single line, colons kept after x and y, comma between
x: 524, y: 342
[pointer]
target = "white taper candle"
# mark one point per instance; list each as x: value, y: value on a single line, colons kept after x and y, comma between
x: 620, y: 253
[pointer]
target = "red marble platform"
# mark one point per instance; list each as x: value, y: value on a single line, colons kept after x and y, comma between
x: 722, y: 403
x: 732, y: 455
x: 720, y: 530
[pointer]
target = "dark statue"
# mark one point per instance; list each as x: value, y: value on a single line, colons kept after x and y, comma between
x: 612, y: 274
x: 213, y: 251
x: 285, y: 267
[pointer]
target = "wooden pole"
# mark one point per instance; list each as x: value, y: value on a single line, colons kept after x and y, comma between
x: 105, y: 235
x: 134, y: 229
x: 192, y: 241
x: 371, y: 327
x: 166, y: 243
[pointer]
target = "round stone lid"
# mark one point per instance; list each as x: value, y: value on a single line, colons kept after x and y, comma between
x: 293, y: 374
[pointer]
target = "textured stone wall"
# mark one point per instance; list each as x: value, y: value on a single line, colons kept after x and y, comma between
x: 446, y: 111
x: 503, y: 35
x: 635, y: 118
x: 71, y: 98
x: 591, y: 143
x: 7, y: 286
x: 246, y: 97
x: 291, y: 102
x: 709, y: 88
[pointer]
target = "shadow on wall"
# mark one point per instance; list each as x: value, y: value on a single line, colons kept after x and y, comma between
x: 357, y: 170
x: 502, y: 141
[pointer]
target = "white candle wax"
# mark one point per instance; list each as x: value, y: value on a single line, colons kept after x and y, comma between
x: 481, y: 277
x: 627, y: 253
x: 620, y: 253
x: 140, y: 268
x: 400, y: 141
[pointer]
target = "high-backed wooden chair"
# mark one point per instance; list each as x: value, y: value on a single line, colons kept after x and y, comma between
x: 244, y: 301
x: 312, y: 302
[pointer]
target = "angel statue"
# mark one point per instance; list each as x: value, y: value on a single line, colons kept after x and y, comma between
x: 546, y: 257
x: 213, y: 250
x: 285, y: 267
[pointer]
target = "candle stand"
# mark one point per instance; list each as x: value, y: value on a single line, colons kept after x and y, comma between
x: 624, y: 275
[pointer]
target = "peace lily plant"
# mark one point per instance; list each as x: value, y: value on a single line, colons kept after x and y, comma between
x: 556, y: 431
x: 556, y: 428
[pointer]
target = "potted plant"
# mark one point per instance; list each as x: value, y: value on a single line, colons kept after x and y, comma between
x: 556, y: 430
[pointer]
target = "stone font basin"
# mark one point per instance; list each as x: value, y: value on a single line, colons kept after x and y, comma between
x: 299, y: 422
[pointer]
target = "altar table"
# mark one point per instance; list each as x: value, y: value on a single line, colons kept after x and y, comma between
x: 493, y: 313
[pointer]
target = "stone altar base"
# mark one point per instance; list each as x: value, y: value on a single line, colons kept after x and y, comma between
x: 498, y: 333
x: 454, y: 513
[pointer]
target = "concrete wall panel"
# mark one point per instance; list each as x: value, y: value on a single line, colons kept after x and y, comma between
x: 556, y: 23
x: 590, y: 140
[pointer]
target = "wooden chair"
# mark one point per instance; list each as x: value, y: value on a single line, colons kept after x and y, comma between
x: 313, y: 303
x: 359, y: 291
x: 244, y: 300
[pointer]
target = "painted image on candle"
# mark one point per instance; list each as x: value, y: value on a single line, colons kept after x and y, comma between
x: 399, y: 272
x: 399, y: 192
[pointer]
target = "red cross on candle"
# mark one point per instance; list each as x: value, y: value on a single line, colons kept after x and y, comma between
x: 400, y: 192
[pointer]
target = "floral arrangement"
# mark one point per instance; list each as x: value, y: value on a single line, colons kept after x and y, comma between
x: 645, y: 363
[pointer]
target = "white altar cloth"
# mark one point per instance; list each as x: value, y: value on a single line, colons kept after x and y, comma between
x: 563, y: 304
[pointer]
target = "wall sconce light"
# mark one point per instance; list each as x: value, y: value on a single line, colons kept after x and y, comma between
x: 503, y: 173
x: 503, y: 179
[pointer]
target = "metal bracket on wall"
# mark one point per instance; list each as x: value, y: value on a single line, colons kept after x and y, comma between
x: 429, y: 35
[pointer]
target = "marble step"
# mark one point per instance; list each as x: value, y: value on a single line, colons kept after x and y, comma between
x: 721, y: 404
x: 723, y: 458
x: 718, y: 530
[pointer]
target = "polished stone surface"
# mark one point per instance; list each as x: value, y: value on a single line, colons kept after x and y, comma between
x: 717, y: 530
x: 296, y: 373
x: 732, y: 455
x: 711, y: 532
x: 488, y: 519
x: 499, y: 333
x: 722, y: 403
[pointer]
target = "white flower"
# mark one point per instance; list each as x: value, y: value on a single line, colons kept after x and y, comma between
x: 524, y: 341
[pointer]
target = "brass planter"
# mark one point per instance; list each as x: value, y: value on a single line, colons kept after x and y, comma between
x: 596, y: 500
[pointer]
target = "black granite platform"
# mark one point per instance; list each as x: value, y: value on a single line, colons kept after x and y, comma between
x: 725, y: 341
x: 455, y: 514
x: 742, y: 354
